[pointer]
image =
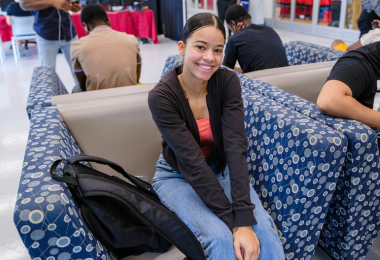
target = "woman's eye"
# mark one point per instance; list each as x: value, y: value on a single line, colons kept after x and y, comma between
x: 219, y: 51
x: 200, y: 47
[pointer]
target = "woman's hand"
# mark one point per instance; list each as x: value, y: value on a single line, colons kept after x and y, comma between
x: 246, y: 244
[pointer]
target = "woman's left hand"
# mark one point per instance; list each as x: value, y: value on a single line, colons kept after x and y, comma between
x: 246, y: 244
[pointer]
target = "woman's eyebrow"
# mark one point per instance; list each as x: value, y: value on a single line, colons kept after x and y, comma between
x: 221, y: 45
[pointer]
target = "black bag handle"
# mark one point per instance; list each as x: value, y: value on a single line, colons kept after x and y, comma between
x: 66, y: 179
x: 136, y: 181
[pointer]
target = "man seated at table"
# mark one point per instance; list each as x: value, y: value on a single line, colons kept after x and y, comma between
x: 351, y: 90
x: 105, y: 58
x: 256, y: 47
x: 14, y: 9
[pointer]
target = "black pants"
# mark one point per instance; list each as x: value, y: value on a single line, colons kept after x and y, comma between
x: 222, y: 8
x: 364, y: 21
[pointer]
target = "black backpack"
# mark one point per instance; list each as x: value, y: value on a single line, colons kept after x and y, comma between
x: 128, y: 218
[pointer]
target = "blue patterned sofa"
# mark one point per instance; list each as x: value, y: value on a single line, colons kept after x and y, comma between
x: 294, y: 164
x: 353, y: 221
x: 45, y: 84
x: 299, y: 52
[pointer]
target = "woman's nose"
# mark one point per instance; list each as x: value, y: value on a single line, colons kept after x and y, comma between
x: 209, y: 55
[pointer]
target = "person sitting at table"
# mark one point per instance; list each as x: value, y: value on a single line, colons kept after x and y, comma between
x: 14, y: 9
x: 256, y: 47
x: 105, y: 58
x: 367, y: 38
x: 351, y: 90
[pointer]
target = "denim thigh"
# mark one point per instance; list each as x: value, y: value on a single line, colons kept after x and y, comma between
x: 213, y: 234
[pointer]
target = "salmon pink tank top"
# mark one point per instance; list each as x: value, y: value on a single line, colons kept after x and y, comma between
x: 205, y: 134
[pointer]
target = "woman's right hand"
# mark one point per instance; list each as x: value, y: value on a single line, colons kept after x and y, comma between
x: 246, y: 244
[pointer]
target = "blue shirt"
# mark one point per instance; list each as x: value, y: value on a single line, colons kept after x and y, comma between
x: 256, y: 47
x: 51, y: 22
x: 14, y: 9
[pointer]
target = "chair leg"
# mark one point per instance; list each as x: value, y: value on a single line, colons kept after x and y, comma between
x: 2, y: 54
x: 14, y: 48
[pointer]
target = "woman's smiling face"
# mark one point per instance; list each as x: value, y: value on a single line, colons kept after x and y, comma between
x: 203, y: 52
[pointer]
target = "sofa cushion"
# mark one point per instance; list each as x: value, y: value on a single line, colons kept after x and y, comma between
x: 120, y: 129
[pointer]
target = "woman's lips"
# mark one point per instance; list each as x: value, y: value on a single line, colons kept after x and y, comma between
x: 205, y: 67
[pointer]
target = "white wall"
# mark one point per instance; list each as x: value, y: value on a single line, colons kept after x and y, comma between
x: 256, y: 10
x: 268, y: 9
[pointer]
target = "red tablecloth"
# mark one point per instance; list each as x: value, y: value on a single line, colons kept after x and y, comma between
x: 5, y: 30
x: 306, y: 2
x: 121, y: 21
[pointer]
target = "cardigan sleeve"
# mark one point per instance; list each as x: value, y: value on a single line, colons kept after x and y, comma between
x: 191, y: 162
x: 235, y: 146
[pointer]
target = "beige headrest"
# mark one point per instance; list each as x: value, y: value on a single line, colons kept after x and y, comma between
x: 103, y: 93
x: 119, y: 129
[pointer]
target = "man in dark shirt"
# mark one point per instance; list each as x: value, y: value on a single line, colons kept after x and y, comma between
x: 351, y: 89
x: 370, y: 12
x: 14, y: 9
x: 256, y: 47
x: 54, y: 27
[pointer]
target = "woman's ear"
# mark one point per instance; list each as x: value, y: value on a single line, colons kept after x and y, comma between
x: 109, y: 22
x: 181, y: 48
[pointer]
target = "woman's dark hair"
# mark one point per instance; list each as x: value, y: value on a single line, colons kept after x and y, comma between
x: 199, y: 21
x: 236, y: 13
x: 93, y: 14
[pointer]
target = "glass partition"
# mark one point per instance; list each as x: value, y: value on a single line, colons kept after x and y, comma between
x: 304, y: 11
x: 354, y: 9
x: 329, y: 13
x: 283, y: 8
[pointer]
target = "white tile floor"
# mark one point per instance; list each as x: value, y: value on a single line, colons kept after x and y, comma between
x: 14, y: 126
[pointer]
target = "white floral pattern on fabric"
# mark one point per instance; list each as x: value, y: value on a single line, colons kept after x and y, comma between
x: 353, y: 221
x: 45, y: 84
x: 46, y: 216
x: 299, y: 52
x: 294, y: 164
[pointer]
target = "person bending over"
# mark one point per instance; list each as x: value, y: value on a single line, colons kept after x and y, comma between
x: 370, y: 12
x: 256, y: 47
x: 202, y: 172
x: 367, y: 38
x: 105, y: 58
x: 351, y: 89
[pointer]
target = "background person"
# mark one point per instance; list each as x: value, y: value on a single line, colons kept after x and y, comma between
x: 14, y: 9
x: 202, y: 173
x: 351, y: 89
x: 370, y: 12
x: 223, y: 5
x: 367, y: 38
x: 105, y: 58
x: 255, y: 47
x: 54, y: 27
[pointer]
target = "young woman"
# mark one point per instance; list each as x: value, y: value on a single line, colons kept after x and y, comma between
x: 202, y: 173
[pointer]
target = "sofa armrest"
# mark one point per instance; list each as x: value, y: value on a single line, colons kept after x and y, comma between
x: 172, y: 62
x: 46, y: 216
x: 45, y: 84
x: 355, y: 206
x: 294, y: 164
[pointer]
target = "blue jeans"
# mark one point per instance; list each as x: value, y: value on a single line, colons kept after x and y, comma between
x: 213, y: 234
x: 48, y: 50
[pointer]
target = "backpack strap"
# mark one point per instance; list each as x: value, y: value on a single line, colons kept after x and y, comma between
x: 66, y: 179
x: 136, y: 181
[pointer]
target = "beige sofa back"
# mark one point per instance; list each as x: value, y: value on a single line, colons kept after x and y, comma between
x: 305, y: 81
x: 120, y: 129
x: 104, y: 93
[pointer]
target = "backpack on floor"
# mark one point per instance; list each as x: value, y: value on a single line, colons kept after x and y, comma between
x: 128, y: 218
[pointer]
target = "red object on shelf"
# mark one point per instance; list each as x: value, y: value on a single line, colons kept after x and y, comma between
x: 306, y: 2
x: 285, y: 11
x: 121, y: 21
x: 327, y: 16
x: 5, y: 30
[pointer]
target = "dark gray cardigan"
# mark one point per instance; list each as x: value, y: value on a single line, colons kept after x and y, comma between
x: 181, y: 142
